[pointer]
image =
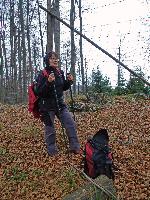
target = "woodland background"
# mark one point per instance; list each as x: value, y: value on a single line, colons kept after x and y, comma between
x: 22, y: 48
x: 27, y: 172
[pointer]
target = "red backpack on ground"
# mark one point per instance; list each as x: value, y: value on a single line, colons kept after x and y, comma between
x: 98, y: 156
x: 33, y: 98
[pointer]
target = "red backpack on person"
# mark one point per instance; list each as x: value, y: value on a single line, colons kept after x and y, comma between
x: 33, y: 98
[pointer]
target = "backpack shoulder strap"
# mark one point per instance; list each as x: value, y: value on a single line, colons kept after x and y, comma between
x: 45, y: 73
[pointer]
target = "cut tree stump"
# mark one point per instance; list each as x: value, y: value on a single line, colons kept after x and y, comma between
x: 91, y: 192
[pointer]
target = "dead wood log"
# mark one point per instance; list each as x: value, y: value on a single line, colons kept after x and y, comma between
x: 91, y: 192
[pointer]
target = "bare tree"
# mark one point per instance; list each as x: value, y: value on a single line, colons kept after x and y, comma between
x: 20, y: 81
x: 23, y: 46
x: 1, y: 72
x: 81, y: 52
x: 40, y: 26
x: 56, y: 26
x: 29, y: 43
x: 49, y: 28
x: 73, y: 54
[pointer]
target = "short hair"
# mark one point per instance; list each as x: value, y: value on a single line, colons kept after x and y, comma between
x: 48, y: 56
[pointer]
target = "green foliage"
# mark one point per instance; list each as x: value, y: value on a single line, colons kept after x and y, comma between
x: 147, y: 91
x: 136, y: 85
x: 119, y: 90
x: 3, y: 151
x: 30, y: 131
x: 1, y: 126
x: 37, y: 172
x: 70, y: 175
x: 100, y: 83
x: 15, y: 174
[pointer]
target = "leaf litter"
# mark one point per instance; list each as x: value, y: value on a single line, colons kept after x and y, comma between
x: 27, y: 172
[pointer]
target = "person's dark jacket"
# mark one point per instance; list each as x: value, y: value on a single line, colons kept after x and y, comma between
x: 51, y: 94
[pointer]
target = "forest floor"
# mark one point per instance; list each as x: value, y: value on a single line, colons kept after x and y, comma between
x: 27, y: 172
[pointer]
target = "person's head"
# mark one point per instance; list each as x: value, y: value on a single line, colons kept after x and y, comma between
x: 51, y: 59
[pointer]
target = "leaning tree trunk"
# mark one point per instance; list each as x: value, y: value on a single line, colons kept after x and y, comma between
x: 103, y: 189
x: 73, y: 54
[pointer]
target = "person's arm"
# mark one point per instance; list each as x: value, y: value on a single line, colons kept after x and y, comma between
x: 44, y: 85
x: 67, y: 82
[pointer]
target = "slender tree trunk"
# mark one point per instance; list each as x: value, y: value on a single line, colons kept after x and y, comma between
x: 11, y: 13
x: 81, y: 53
x: 57, y: 27
x: 20, y: 83
x: 1, y: 72
x: 86, y: 78
x: 2, y: 83
x: 5, y: 66
x: 119, y: 72
x: 73, y: 55
x: 29, y: 44
x: 15, y: 67
x: 11, y: 94
x: 41, y: 35
x: 35, y: 56
x: 49, y: 28
x: 23, y: 50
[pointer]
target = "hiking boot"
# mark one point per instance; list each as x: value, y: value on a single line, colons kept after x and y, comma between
x: 52, y: 150
x: 75, y: 151
x: 53, y: 153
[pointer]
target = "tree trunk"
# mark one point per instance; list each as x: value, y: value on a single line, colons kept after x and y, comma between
x: 41, y: 35
x: 49, y: 28
x: 11, y: 13
x: 29, y: 45
x: 73, y: 54
x: 20, y: 88
x: 119, y: 73
x: 81, y: 53
x: 1, y: 72
x: 57, y: 27
x: 35, y: 56
x: 5, y: 66
x: 2, y: 81
x: 15, y: 67
x: 91, y: 192
x: 86, y: 78
x: 11, y: 93
x: 23, y: 50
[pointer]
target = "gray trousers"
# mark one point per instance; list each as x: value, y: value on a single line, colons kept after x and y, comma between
x: 68, y: 123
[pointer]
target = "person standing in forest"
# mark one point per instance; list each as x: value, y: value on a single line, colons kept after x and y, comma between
x: 51, y: 103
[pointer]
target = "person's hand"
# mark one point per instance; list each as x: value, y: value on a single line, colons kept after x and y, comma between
x: 51, y: 78
x: 69, y: 77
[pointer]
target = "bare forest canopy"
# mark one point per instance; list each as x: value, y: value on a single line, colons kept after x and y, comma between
x: 94, y: 44
x: 27, y: 33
